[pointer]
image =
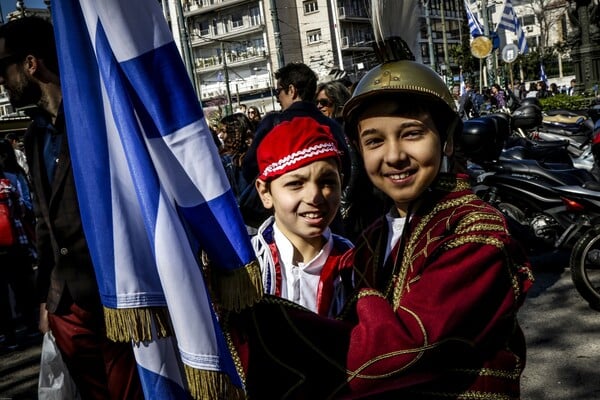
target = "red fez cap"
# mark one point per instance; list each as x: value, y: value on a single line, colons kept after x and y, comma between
x: 294, y: 144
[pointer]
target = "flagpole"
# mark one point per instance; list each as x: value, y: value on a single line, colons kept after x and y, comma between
x: 480, y: 76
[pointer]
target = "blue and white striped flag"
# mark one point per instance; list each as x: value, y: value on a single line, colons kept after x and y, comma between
x: 463, y: 86
x: 152, y: 194
x: 510, y: 22
x: 475, y: 27
x: 543, y: 76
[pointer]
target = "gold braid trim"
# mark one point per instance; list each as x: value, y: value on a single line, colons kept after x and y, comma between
x: 468, y: 395
x: 370, y: 292
x: 481, y: 227
x: 135, y: 324
x: 240, y: 288
x: 206, y: 385
x: 480, y: 239
x: 237, y: 362
x: 449, y: 182
x: 477, y: 218
x: 495, y: 373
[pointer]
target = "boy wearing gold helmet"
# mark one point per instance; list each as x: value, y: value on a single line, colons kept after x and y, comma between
x: 438, y: 277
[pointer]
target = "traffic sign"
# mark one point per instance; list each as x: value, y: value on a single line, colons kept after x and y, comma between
x: 510, y: 52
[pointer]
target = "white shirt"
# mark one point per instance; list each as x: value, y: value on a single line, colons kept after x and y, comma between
x: 299, y: 283
x: 395, y: 228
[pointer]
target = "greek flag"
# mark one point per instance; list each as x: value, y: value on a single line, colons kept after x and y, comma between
x: 510, y: 22
x: 153, y: 194
x: 462, y: 86
x: 475, y: 27
x: 543, y: 76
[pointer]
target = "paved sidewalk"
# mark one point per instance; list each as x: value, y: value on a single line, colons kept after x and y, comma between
x: 19, y: 371
x: 563, y: 341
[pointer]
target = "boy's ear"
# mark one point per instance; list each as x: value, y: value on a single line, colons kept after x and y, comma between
x: 265, y: 194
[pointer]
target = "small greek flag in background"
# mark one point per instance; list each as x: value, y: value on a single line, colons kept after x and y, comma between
x: 475, y: 27
x: 543, y: 76
x: 510, y: 22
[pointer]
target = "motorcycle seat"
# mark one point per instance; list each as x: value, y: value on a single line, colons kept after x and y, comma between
x: 557, y: 173
x: 562, y: 111
x: 564, y: 119
x: 564, y: 129
x: 552, y: 154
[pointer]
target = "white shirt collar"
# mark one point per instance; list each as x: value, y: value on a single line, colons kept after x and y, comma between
x: 286, y: 251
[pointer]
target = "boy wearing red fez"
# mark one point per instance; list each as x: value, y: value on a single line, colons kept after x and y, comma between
x: 299, y: 167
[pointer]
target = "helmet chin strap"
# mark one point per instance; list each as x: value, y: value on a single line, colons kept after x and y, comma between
x: 445, y: 164
x: 448, y: 146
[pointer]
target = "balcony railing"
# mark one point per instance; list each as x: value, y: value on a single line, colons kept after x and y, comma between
x: 211, y: 89
x: 202, y: 6
x: 232, y: 58
x: 344, y: 12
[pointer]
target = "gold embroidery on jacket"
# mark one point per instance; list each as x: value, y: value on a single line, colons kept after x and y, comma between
x: 409, y: 256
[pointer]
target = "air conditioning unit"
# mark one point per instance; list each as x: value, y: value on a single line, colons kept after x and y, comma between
x: 529, y: 28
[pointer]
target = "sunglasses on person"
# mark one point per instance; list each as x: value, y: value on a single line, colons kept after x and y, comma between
x: 278, y: 90
x: 323, y: 103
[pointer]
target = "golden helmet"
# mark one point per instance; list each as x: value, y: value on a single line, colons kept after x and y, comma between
x: 403, y: 80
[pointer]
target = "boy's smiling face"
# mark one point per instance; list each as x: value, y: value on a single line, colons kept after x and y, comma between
x: 304, y: 200
x: 401, y: 154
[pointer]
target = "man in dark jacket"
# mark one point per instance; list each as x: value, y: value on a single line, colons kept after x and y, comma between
x: 67, y: 289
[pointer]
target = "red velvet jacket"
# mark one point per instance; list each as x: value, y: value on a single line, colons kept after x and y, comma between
x: 442, y: 323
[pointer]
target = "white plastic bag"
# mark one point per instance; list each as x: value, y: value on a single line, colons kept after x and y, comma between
x: 55, y: 382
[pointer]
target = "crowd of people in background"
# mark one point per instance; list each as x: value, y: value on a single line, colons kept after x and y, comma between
x: 18, y: 305
x: 474, y: 102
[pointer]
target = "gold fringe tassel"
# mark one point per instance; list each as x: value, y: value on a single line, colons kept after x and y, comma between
x: 207, y: 385
x: 241, y: 288
x: 127, y: 324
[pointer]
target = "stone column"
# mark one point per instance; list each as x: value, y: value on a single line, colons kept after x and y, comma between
x: 584, y: 39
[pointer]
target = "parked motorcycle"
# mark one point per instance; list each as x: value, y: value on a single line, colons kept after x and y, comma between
x: 573, y: 129
x: 585, y: 257
x: 525, y: 190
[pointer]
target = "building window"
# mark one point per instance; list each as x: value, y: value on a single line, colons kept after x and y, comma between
x: 237, y: 20
x: 254, y: 13
x: 529, y: 20
x: 313, y: 36
x: 311, y: 6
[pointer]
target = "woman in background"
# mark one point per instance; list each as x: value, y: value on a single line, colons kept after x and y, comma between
x: 331, y: 97
x: 254, y: 116
x: 237, y: 127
